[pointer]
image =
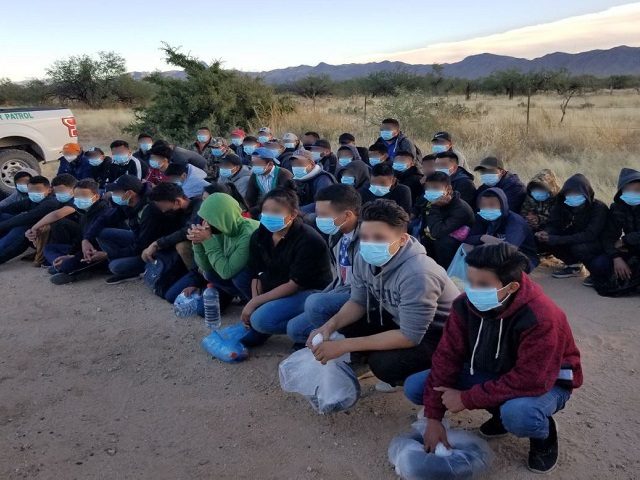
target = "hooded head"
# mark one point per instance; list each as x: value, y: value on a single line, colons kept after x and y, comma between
x: 502, y: 198
x: 577, y: 183
x: 546, y: 180
x: 222, y: 212
x: 627, y: 175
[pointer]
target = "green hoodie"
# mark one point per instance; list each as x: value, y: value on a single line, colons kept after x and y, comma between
x: 226, y: 253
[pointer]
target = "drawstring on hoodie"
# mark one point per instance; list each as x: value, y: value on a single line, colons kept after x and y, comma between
x: 499, y: 339
x: 379, y: 303
x: 475, y: 347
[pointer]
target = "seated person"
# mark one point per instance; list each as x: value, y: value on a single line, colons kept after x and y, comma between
x: 349, y: 156
x: 145, y: 142
x: 428, y: 164
x: 446, y: 219
x: 159, y: 159
x: 182, y: 156
x: 291, y: 142
x: 191, y: 179
x: 237, y: 137
x: 400, y: 299
x: 337, y: 213
x: 309, y: 139
x: 21, y: 184
x: 323, y: 156
x: 124, y: 163
x: 357, y: 175
x: 461, y: 180
x: 233, y: 171
x: 541, y: 196
x: 288, y: 261
x: 377, y: 154
x: 99, y: 166
x: 495, y: 223
x: 202, y: 145
x: 349, y: 140
x: 506, y: 348
x: 220, y: 152
x: 265, y: 176
x: 249, y: 145
x: 282, y: 155
x: 442, y: 142
x: 493, y: 174
x: 408, y: 174
x: 73, y: 161
x: 309, y: 178
x: 384, y: 184
x: 392, y: 138
x: 573, y: 232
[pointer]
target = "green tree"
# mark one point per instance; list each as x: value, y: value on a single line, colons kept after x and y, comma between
x: 313, y: 86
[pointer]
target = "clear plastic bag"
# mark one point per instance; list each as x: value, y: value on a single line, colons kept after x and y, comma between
x: 457, y: 270
x: 184, y: 306
x: 470, y: 455
x: 329, y: 388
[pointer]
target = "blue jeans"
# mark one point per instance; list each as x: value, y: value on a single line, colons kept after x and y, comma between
x: 318, y: 308
x: 525, y: 417
x: 55, y: 250
x: 272, y: 317
x: 118, y: 244
x: 240, y: 285
x: 13, y: 243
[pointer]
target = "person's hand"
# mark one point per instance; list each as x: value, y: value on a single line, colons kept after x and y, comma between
x: 31, y: 234
x: 199, y: 233
x: 533, y: 220
x: 542, y: 236
x: 96, y: 256
x: 187, y: 292
x: 149, y: 253
x: 88, y: 250
x: 58, y: 261
x: 435, y: 433
x: 490, y: 240
x: 451, y: 398
x: 328, y: 350
x: 621, y: 269
x: 326, y: 330
x: 248, y: 310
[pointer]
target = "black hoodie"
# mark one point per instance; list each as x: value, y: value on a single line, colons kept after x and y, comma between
x: 624, y: 220
x: 412, y: 178
x: 357, y: 169
x: 462, y: 182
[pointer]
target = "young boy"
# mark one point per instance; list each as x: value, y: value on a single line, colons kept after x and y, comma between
x: 188, y: 177
x: 576, y: 223
x: 233, y: 171
x: 461, y: 180
x: 323, y: 156
x: 21, y: 184
x: 309, y: 179
x: 99, y: 166
x: 541, y: 196
x: 265, y: 176
x: 392, y: 138
x: 377, y: 154
x: 407, y: 173
x: 123, y: 163
x: 399, y: 300
x: 428, y: 164
x: 385, y: 185
x: 506, y: 348
x: 145, y: 142
x: 73, y: 161
x: 493, y: 174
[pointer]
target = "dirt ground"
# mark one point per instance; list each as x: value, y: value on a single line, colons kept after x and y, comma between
x: 101, y: 381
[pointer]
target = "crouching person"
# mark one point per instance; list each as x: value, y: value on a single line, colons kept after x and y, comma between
x: 400, y: 299
x: 506, y: 348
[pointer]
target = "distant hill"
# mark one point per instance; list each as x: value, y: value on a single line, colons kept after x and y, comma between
x: 620, y: 60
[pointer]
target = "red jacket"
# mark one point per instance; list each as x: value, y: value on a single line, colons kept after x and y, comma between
x: 526, y: 346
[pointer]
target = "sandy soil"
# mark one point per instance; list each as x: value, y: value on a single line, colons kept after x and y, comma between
x: 101, y: 381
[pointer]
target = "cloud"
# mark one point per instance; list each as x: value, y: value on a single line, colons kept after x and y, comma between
x: 601, y: 30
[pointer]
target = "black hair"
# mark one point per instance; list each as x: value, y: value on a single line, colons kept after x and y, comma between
x: 88, y: 184
x: 439, y: 177
x: 250, y: 138
x: 204, y: 128
x: 345, y: 147
x: 378, y: 147
x: 144, y: 135
x: 21, y: 174
x: 64, y: 179
x: 161, y: 151
x: 503, y: 259
x: 386, y: 211
x: 316, y: 135
x: 448, y: 154
x: 346, y: 138
x: 229, y: 189
x: 383, y: 169
x: 284, y: 196
x: 39, y: 180
x: 405, y: 153
x: 343, y: 197
x: 158, y: 142
x: 175, y: 170
x: 429, y: 157
x: 391, y: 121
x: 119, y: 143
x: 166, y: 192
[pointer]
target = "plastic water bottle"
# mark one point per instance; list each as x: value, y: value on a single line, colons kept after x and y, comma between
x: 212, y: 308
x: 186, y: 306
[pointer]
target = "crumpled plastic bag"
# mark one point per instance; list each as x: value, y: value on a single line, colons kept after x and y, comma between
x: 469, y: 457
x: 329, y: 388
x: 457, y: 270
x: 225, y: 345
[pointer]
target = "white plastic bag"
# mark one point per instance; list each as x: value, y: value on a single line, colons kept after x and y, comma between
x: 470, y: 455
x: 329, y: 388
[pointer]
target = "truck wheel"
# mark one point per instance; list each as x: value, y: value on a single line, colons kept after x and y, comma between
x: 11, y: 162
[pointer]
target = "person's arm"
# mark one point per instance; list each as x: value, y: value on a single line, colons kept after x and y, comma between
x: 592, y: 232
x: 200, y: 257
x: 478, y: 230
x: 467, y: 191
x: 13, y: 198
x: 173, y: 238
x: 29, y: 217
x: 108, y: 217
x: 53, y: 217
x: 440, y: 226
x: 516, y: 232
x: 402, y: 196
x: 227, y: 265
x: 148, y: 227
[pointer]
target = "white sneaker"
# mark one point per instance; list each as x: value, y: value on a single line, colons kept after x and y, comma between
x: 384, y: 387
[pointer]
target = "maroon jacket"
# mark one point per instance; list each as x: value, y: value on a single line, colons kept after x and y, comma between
x: 527, y: 346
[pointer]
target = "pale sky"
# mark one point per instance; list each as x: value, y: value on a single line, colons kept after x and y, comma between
x: 257, y: 35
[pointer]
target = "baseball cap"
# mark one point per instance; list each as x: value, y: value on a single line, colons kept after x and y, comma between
x: 72, y: 148
x: 238, y: 132
x: 441, y: 136
x: 289, y: 137
x: 95, y: 149
x: 491, y: 163
x: 322, y: 143
x: 126, y: 183
x: 302, y: 154
x: 266, y: 154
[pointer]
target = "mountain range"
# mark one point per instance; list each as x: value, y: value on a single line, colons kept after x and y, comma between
x: 622, y: 60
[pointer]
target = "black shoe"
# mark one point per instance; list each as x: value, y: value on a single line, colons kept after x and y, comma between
x: 115, y: 279
x: 543, y: 454
x: 52, y: 270
x: 61, y: 279
x: 493, y: 428
x: 589, y: 282
x: 569, y: 271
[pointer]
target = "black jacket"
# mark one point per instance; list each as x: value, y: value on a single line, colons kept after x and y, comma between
x: 27, y: 213
x: 87, y: 219
x: 185, y: 218
x: 399, y: 193
x: 329, y: 163
x: 101, y: 173
x: 398, y: 144
x: 623, y: 221
x: 462, y: 182
x: 134, y: 167
x: 412, y: 178
x: 512, y: 187
x: 444, y: 220
x: 357, y: 169
x: 307, y: 189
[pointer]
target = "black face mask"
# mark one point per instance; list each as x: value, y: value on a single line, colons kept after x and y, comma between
x: 307, y: 146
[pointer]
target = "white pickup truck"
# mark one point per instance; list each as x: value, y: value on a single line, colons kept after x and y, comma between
x: 31, y: 136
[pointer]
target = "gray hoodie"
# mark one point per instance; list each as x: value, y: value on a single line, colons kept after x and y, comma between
x: 412, y: 287
x: 240, y: 179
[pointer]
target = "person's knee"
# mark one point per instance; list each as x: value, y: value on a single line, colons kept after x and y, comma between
x: 260, y: 320
x: 185, y: 251
x: 297, y: 329
x: 522, y: 418
x: 383, y: 367
x: 414, y: 387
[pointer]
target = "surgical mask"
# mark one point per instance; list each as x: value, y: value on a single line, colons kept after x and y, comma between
x: 540, y: 195
x: 575, y: 200
x: 83, y: 203
x: 378, y: 190
x: 299, y: 172
x: 317, y: 156
x: 95, y: 162
x: 376, y: 253
x: 327, y: 225
x: 263, y: 139
x: 145, y: 146
x: 348, y: 180
x: 120, y: 158
x: 444, y: 170
x: 248, y: 149
x: 400, y: 166
x: 386, y: 134
x: 485, y: 299
x: 226, y: 172
x: 22, y: 187
x: 118, y: 200
x: 344, y: 161
x: 490, y: 179
x: 631, y: 198
x: 258, y: 169
x: 433, y: 195
x: 439, y: 148
x: 373, y: 161
x: 236, y: 141
x: 70, y: 158
x: 289, y: 145
x: 217, y: 152
x: 490, y: 214
x: 63, y: 197
x: 273, y: 223
x: 154, y: 163
x: 202, y: 138
x: 36, y: 197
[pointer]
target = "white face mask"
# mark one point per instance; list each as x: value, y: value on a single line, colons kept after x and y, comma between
x: 70, y: 158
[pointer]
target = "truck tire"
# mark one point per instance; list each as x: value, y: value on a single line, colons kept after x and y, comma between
x: 11, y: 162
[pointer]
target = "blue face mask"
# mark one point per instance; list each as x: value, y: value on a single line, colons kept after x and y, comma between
x: 226, y: 172
x: 236, y: 141
x: 439, y: 148
x: 118, y: 200
x: 400, y: 166
x: 490, y: 214
x: 263, y: 139
x: 327, y: 225
x: 540, y: 195
x: 248, y: 149
x: 36, y: 197
x: 217, y: 152
x: 317, y: 156
x: 83, y: 203
x: 154, y: 163
x: 575, y: 200
x: 376, y: 253
x: 386, y: 134
x: 348, y: 180
x: 378, y: 190
x: 631, y: 198
x: 63, y: 197
x: 120, y: 158
x: 145, y: 146
x: 299, y: 172
x: 484, y: 299
x: 289, y: 145
x: 95, y: 162
x: 202, y: 138
x: 273, y: 223
x: 490, y: 179
x: 258, y: 169
x: 344, y: 161
x: 433, y: 195
x: 443, y: 170
x: 22, y: 187
x: 373, y: 161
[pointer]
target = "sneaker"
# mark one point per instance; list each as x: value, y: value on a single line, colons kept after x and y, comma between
x: 116, y: 279
x: 543, y: 454
x: 588, y: 282
x: 52, y: 270
x: 493, y: 428
x: 61, y: 279
x: 569, y: 271
x: 384, y: 387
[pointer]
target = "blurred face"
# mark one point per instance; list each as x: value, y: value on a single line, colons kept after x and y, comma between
x: 633, y: 187
x: 492, y: 171
x: 389, y: 127
x: 441, y: 187
x: 408, y: 161
x: 271, y: 207
x: 380, y: 232
x: 481, y: 278
x: 230, y: 166
x: 122, y: 150
x: 302, y: 162
x: 249, y: 143
x: 22, y: 181
x: 308, y: 140
x: 448, y: 163
x: 39, y: 188
x: 323, y: 151
x: 325, y: 209
x: 145, y: 143
x: 82, y: 193
x: 489, y: 203
x: 346, y: 153
x: 203, y: 136
x: 168, y: 206
x: 428, y: 167
x: 95, y: 156
x: 382, y: 181
x: 259, y: 163
x: 161, y: 163
x: 177, y: 179
x: 442, y: 141
x: 63, y: 189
